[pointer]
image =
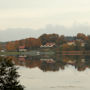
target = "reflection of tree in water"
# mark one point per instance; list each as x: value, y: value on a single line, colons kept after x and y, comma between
x: 80, y: 62
x: 49, y: 66
x: 53, y: 63
x: 52, y: 66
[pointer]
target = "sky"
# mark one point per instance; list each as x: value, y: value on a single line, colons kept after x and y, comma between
x: 37, y: 14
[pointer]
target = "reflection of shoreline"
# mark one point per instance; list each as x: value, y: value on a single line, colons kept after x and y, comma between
x: 55, y: 63
x: 74, y: 52
x: 35, y: 53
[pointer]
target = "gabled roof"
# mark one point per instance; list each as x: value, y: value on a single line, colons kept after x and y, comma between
x: 21, y: 47
x: 49, y: 44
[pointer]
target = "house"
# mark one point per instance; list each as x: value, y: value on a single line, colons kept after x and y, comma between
x: 2, y: 50
x: 48, y: 45
x: 22, y: 49
x: 71, y: 43
x: 82, y: 44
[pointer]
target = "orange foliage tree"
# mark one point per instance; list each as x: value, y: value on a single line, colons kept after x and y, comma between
x: 11, y: 46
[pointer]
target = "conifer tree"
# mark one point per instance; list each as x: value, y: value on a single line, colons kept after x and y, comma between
x: 9, y: 75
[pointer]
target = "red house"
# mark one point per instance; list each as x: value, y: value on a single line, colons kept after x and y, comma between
x: 22, y: 49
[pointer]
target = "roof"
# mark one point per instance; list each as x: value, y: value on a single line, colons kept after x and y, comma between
x: 50, y: 44
x: 21, y: 47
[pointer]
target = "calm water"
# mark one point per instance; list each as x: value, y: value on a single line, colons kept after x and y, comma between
x: 54, y: 72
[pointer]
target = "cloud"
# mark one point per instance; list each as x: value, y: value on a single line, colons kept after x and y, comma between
x: 38, y: 13
x: 25, y: 17
x: 21, y: 33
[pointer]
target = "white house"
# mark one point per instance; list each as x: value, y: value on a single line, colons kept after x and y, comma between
x: 71, y: 43
x: 48, y: 45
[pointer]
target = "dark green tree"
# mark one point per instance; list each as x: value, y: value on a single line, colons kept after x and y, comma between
x: 45, y: 38
x: 9, y: 75
x: 87, y: 45
x: 61, y: 40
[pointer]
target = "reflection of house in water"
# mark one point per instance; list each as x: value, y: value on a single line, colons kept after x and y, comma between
x: 28, y: 61
x: 83, y: 60
x: 2, y: 55
x: 81, y: 65
x: 23, y: 56
x: 71, y: 62
x: 22, y: 59
x: 38, y: 53
x: 3, y: 50
x: 68, y: 61
x: 49, y: 64
x: 48, y: 60
x: 80, y: 62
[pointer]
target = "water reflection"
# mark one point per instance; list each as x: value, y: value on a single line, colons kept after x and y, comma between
x: 52, y: 63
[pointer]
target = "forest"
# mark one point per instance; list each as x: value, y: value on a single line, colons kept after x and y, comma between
x: 80, y: 42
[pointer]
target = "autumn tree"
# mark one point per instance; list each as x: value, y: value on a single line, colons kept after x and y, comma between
x: 32, y: 43
x: 10, y: 46
x: 52, y: 37
x: 29, y: 43
x: 66, y: 47
x: 78, y: 45
x: 0, y: 47
x: 61, y: 40
x: 87, y: 45
x: 81, y: 36
x: 17, y: 44
x: 45, y: 38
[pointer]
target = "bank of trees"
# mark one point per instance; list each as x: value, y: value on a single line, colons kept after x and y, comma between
x: 0, y: 47
x: 59, y: 40
x: 29, y: 43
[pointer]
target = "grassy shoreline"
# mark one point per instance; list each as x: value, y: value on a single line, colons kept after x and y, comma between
x: 36, y: 52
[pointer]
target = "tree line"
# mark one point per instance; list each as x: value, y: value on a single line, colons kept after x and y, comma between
x: 60, y: 41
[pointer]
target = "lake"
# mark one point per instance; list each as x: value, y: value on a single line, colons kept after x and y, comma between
x: 54, y: 72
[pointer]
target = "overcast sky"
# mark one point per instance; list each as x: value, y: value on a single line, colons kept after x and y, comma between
x: 36, y: 14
